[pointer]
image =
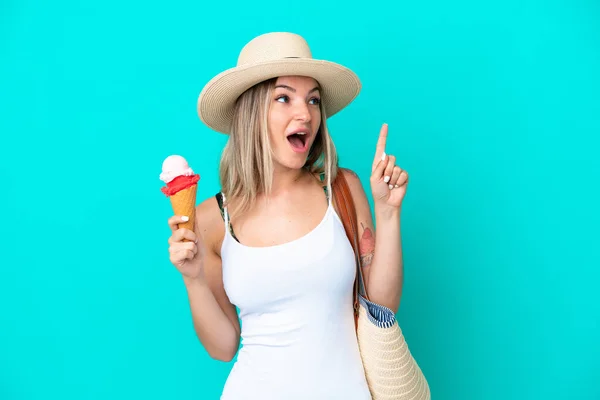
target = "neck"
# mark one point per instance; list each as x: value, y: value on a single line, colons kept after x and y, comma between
x: 284, y: 179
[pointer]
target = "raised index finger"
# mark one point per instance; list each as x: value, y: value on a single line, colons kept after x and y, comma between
x: 380, y: 149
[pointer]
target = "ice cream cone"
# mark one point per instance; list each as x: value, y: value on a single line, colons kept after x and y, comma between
x: 184, y: 203
x: 181, y: 186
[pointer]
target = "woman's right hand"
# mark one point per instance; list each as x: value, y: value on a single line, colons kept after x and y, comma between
x: 186, y: 256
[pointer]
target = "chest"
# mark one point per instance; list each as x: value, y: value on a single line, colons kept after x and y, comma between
x: 279, y: 223
x: 315, y: 266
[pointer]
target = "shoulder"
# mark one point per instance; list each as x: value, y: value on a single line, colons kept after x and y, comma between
x: 354, y: 183
x: 209, y: 222
x: 358, y: 193
x: 208, y: 210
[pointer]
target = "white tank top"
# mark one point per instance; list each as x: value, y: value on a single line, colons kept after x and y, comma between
x: 297, y: 322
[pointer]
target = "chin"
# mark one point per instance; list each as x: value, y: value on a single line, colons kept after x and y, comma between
x: 297, y: 162
x: 291, y: 160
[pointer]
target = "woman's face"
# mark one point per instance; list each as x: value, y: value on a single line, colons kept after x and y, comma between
x: 294, y: 119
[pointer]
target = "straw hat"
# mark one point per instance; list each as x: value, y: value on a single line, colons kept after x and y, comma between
x: 268, y: 56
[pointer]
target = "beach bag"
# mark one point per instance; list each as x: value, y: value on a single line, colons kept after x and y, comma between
x: 390, y: 369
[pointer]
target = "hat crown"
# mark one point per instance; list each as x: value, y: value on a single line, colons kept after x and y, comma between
x: 274, y: 46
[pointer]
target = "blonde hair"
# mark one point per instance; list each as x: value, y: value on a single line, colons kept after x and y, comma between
x: 246, y: 166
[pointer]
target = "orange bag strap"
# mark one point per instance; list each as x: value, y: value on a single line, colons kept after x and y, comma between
x: 347, y: 212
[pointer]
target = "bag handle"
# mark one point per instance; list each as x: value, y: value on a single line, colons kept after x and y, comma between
x: 347, y: 211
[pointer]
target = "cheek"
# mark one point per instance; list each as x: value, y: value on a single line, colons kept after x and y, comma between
x: 316, y: 120
x: 276, y: 126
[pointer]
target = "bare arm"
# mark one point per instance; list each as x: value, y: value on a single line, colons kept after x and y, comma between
x: 214, y: 317
x: 381, y: 252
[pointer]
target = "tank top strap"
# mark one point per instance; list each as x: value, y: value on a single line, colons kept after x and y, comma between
x: 326, y: 187
x: 222, y: 201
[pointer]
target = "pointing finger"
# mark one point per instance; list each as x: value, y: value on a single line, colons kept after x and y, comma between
x: 380, y: 167
x: 381, y: 142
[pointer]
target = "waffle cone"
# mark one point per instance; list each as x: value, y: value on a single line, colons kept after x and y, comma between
x: 184, y: 203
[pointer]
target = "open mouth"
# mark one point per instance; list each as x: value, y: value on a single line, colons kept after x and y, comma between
x: 298, y: 141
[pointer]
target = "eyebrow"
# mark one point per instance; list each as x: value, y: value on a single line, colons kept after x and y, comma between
x: 291, y: 89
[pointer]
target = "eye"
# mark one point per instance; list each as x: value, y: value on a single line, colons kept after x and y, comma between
x: 283, y: 97
x: 315, y: 101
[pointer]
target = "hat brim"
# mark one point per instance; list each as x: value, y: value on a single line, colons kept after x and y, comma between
x: 339, y: 87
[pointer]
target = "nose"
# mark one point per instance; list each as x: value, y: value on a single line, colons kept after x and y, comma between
x: 301, y: 112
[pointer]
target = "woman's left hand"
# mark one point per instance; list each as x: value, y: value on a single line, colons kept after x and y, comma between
x: 388, y: 181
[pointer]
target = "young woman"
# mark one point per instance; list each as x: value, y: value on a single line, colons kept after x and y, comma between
x: 271, y: 241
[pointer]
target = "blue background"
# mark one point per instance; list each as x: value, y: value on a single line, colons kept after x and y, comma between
x: 493, y: 109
